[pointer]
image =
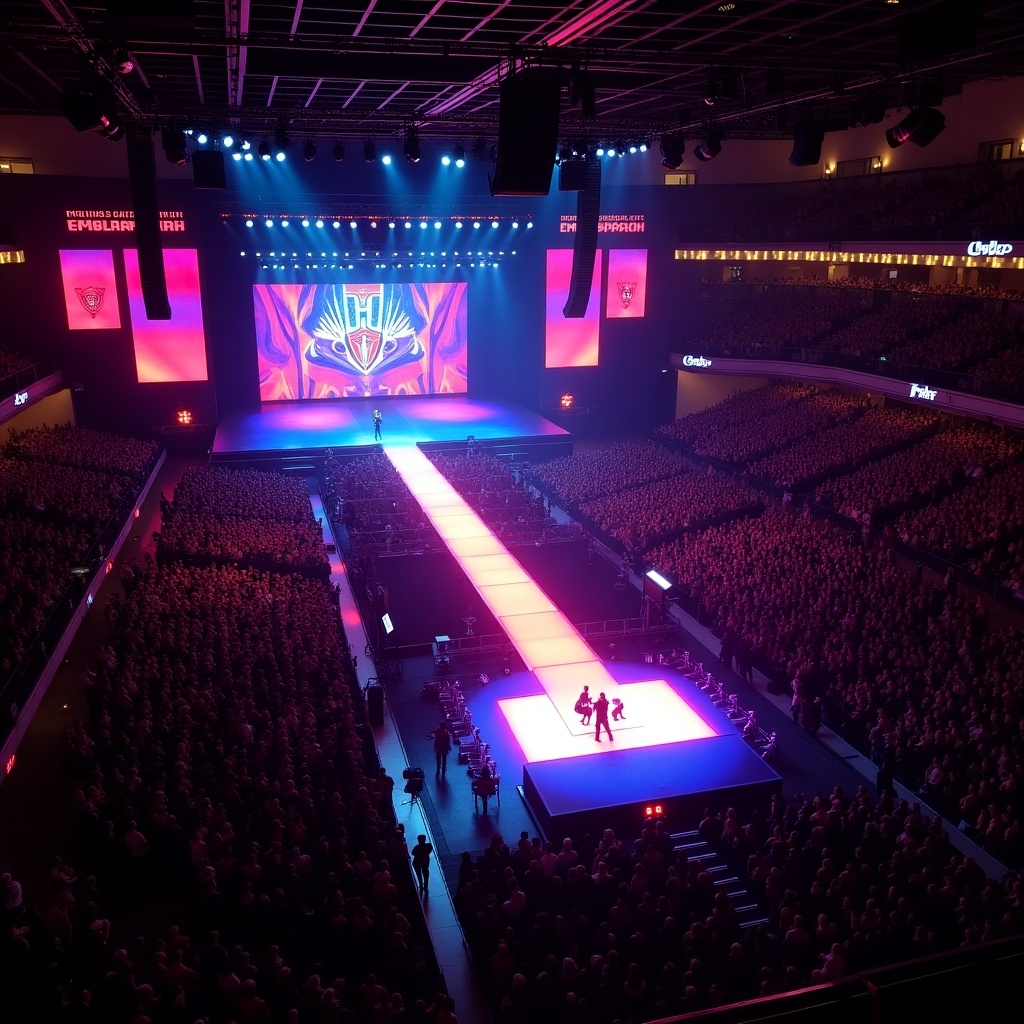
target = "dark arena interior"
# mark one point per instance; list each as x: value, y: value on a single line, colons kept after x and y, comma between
x: 510, y: 513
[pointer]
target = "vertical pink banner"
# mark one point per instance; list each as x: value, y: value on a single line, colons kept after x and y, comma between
x: 90, y: 294
x: 627, y: 284
x: 175, y: 349
x: 570, y: 342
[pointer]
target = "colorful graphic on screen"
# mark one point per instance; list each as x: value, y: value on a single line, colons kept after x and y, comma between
x: 175, y: 349
x: 627, y: 284
x: 90, y: 294
x: 360, y: 340
x: 570, y: 342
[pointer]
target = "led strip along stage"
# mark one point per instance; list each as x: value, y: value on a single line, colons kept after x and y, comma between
x: 545, y: 725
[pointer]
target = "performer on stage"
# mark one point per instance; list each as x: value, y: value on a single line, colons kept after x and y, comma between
x: 377, y: 421
x: 583, y: 706
x: 618, y: 709
x: 601, y: 718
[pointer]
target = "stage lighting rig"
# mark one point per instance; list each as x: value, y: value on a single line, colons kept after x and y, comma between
x: 411, y: 149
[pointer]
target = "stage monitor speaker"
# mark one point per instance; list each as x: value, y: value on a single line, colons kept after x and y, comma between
x: 527, y: 137
x: 584, y: 246
x: 142, y: 176
x: 572, y: 176
x: 208, y: 169
x: 375, y: 705
x: 808, y: 138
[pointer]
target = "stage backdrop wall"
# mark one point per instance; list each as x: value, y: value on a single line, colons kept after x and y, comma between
x: 507, y: 327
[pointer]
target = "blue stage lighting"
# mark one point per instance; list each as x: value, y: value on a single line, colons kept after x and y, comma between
x: 352, y: 224
x: 445, y: 160
x: 599, y: 151
x: 437, y: 224
x: 242, y: 253
x: 476, y: 223
x: 284, y: 223
x: 460, y: 156
x: 391, y: 224
x: 236, y: 156
x: 228, y: 141
x: 529, y: 223
x: 632, y: 149
x: 515, y: 223
x: 643, y: 147
x: 248, y: 156
x: 248, y: 223
x: 269, y: 223
x: 611, y: 151
x: 494, y: 223
x: 336, y: 224
x: 408, y: 223
x: 423, y: 223
x: 319, y: 223
x: 386, y: 160
x: 246, y: 145
x: 458, y: 223
x: 201, y: 138
x: 280, y: 155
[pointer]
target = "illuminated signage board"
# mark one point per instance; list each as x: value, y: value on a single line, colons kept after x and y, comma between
x: 992, y: 248
x: 614, y: 223
x: 119, y: 220
x: 923, y: 391
x: 696, y: 361
x: 20, y: 398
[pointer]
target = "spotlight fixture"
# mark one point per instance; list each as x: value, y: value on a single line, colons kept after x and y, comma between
x: 445, y: 160
x: 460, y: 156
x: 710, y: 92
x: 339, y: 151
x: 227, y: 142
x: 921, y: 127
x: 246, y: 145
x: 305, y: 222
x: 599, y: 151
x: 264, y: 150
x: 386, y: 159
x: 494, y: 223
x: 309, y: 151
x: 708, y: 149
x: 319, y: 223
x: 458, y: 223
x: 672, y: 149
x: 202, y: 138
x: 248, y: 156
x: 411, y: 149
x: 284, y: 223
x: 437, y: 225
x: 369, y: 151
x: 236, y: 156
x: 476, y: 223
x: 123, y: 62
x: 281, y: 141
x: 173, y: 142
x: 391, y: 224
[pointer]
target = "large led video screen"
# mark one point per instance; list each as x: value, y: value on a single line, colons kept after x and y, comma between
x: 627, y: 284
x: 90, y: 294
x: 167, y: 351
x: 360, y: 340
x: 570, y: 341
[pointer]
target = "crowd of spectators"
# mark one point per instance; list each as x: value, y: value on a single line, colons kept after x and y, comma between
x: 897, y: 658
x: 978, y: 517
x: 514, y: 513
x: 235, y: 857
x: 587, y: 475
x: 844, y: 447
x: 962, y: 343
x: 698, y: 430
x: 12, y: 361
x: 601, y: 931
x: 1004, y: 368
x: 369, y: 498
x: 243, y: 517
x: 643, y: 515
x: 922, y: 473
x: 52, y: 515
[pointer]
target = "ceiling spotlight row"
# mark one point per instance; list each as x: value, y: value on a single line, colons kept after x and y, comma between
x: 582, y: 151
x: 392, y: 224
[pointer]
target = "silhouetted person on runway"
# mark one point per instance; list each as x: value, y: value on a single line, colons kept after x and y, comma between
x: 442, y: 747
x: 377, y: 421
x: 583, y: 706
x: 601, y: 718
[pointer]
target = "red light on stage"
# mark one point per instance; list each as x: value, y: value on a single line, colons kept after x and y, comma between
x: 654, y: 811
x: 10, y: 764
x: 110, y: 565
x: 567, y: 400
x: 184, y: 418
x: 137, y: 513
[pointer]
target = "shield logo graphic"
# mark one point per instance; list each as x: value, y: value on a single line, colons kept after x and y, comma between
x: 364, y: 346
x: 91, y: 299
x: 627, y: 289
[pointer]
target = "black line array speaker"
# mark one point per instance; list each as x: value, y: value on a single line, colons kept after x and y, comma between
x: 572, y: 176
x: 808, y: 137
x: 375, y: 705
x: 584, y: 246
x: 208, y: 169
x: 527, y: 137
x: 142, y: 176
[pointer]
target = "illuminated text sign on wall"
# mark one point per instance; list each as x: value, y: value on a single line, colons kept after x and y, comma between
x: 992, y: 248
x: 696, y: 361
x: 20, y: 397
x: 626, y: 223
x: 921, y: 391
x: 119, y: 220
